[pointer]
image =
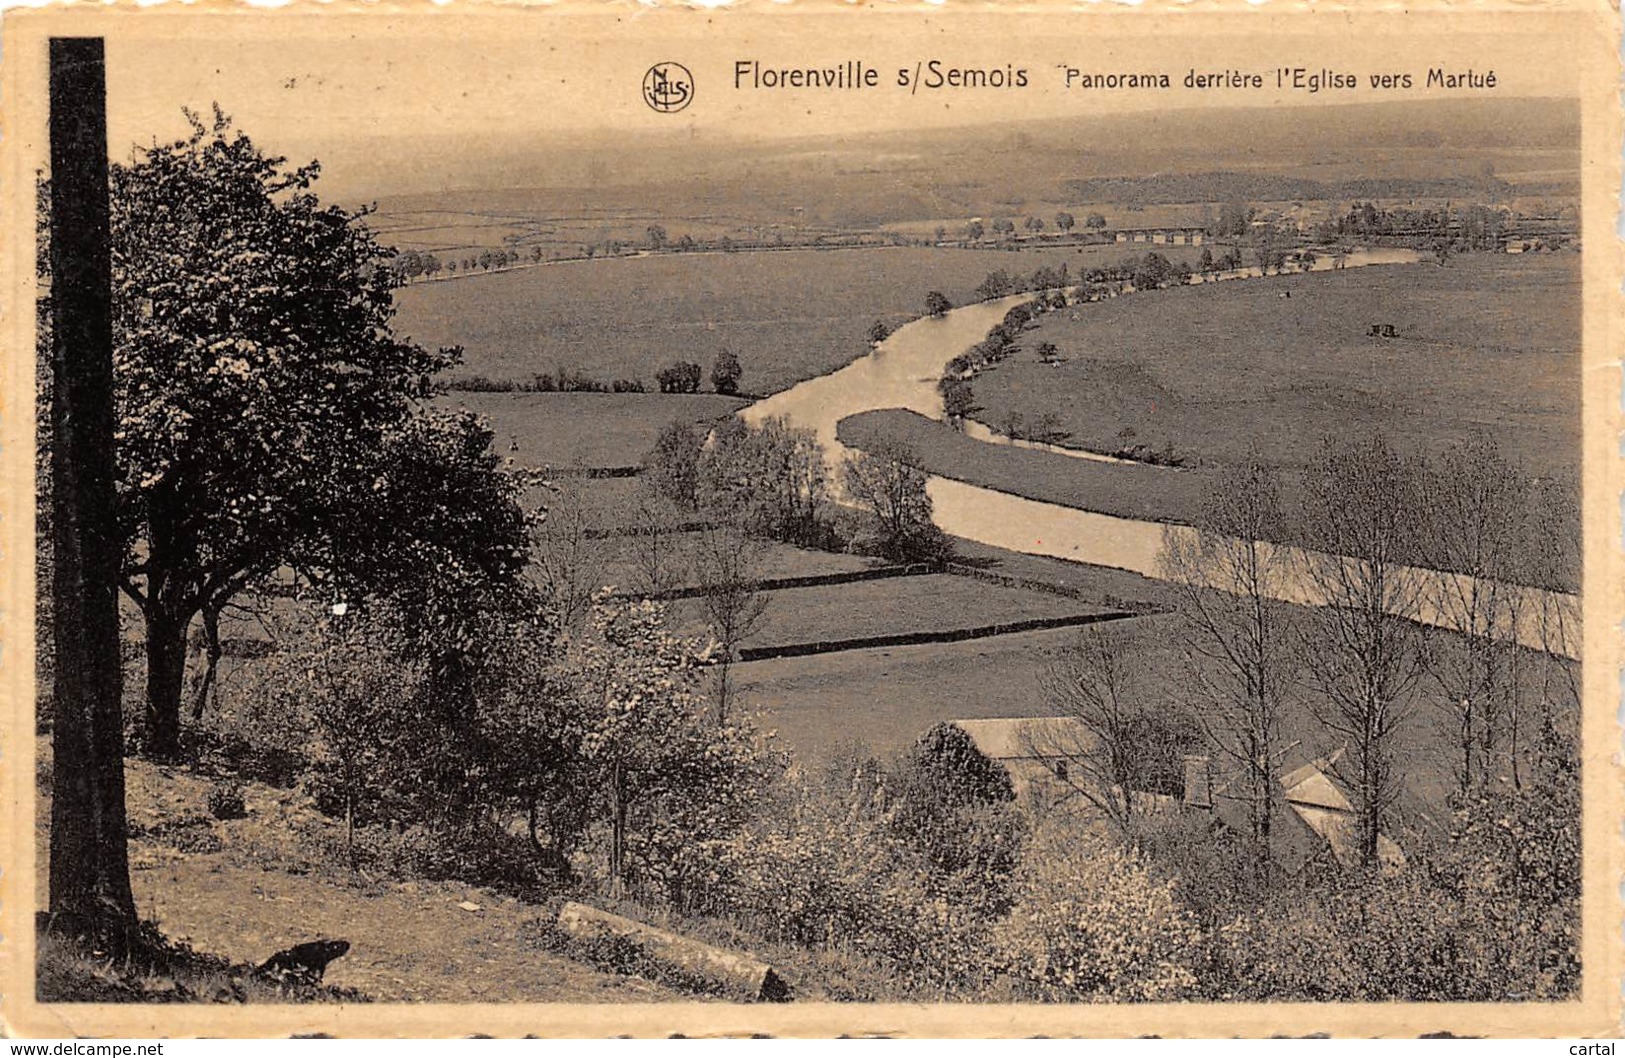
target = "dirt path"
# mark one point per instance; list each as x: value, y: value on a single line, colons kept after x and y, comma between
x: 409, y: 942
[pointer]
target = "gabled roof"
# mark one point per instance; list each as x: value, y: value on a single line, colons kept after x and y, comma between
x: 1310, y: 787
x: 1314, y: 816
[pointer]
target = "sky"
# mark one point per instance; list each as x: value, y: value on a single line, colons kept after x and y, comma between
x: 385, y: 99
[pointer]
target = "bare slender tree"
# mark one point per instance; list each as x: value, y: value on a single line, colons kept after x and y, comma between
x: 1475, y: 500
x: 655, y: 548
x: 727, y: 568
x: 1226, y: 576
x: 1106, y: 745
x: 1360, y: 647
x: 1555, y: 562
x: 568, y: 556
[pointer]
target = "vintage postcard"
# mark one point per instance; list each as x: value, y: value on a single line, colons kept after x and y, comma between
x: 810, y: 520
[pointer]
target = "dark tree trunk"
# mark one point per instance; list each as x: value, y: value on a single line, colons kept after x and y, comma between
x: 166, y: 677
x: 211, y: 661
x: 89, y: 859
x: 617, y: 833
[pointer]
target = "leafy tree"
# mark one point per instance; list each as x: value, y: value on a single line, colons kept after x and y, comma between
x: 1206, y: 262
x: 889, y: 487
x: 1095, y: 220
x: 974, y: 231
x: 674, y: 464
x: 1091, y: 923
x: 1152, y: 272
x: 726, y: 372
x: 878, y: 332
x: 940, y: 235
x: 1034, y: 224
x: 1489, y: 915
x: 681, y: 377
x: 997, y: 284
x: 958, y: 402
x: 948, y: 761
x: 451, y: 562
x: 936, y: 304
x: 655, y: 237
x: 768, y: 480
x: 955, y: 808
x: 1065, y: 221
x: 1234, y: 218
x: 259, y: 388
x: 356, y: 681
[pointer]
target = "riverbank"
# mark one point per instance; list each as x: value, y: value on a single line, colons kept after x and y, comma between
x: 1117, y: 518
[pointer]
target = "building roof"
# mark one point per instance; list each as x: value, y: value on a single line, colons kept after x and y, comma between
x: 1314, y: 817
x: 1026, y: 737
x: 1309, y: 787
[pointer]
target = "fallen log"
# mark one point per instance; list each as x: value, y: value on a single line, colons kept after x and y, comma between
x: 735, y: 973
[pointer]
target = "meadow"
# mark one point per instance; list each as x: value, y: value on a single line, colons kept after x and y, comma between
x: 1488, y: 344
x: 594, y: 430
x: 1147, y: 493
x: 789, y: 315
x: 935, y: 603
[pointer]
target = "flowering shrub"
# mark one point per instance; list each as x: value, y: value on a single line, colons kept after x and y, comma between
x: 673, y: 781
x: 1091, y: 923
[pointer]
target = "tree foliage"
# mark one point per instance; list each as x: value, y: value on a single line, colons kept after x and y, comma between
x: 726, y: 372
x: 264, y: 404
x: 767, y: 480
x: 1091, y: 923
x: 889, y: 488
x: 672, y: 780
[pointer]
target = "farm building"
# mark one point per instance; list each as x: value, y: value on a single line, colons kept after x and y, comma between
x: 1313, y: 822
x: 1035, y: 751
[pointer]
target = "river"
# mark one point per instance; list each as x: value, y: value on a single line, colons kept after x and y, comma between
x: 902, y: 372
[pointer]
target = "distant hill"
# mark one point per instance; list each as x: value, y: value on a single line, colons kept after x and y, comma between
x: 1418, y: 148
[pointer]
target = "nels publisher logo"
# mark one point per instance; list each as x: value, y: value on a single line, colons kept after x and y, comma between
x: 668, y: 87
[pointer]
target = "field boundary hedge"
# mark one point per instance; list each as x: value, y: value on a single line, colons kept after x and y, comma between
x: 1006, y: 580
x: 594, y: 472
x: 806, y: 580
x: 908, y: 639
x: 610, y: 532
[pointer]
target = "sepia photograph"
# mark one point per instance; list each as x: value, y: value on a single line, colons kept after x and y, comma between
x: 586, y: 521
